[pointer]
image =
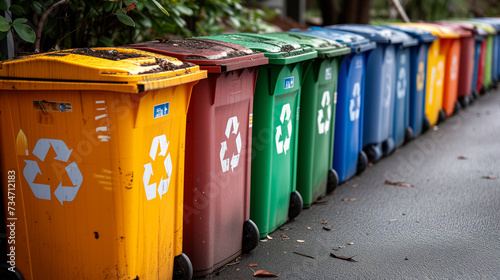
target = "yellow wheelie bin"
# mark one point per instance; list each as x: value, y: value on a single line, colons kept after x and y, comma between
x: 440, y: 67
x: 93, y: 143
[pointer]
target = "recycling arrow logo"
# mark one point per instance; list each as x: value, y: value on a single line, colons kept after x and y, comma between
x: 32, y: 169
x: 388, y: 81
x: 401, y: 90
x: 231, y: 122
x: 286, y: 115
x: 162, y: 189
x: 420, y: 76
x: 355, y: 102
x: 324, y: 126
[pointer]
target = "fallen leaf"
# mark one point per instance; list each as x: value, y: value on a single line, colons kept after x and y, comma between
x: 253, y: 265
x: 393, y: 220
x: 263, y: 273
x: 355, y: 185
x: 435, y: 128
x: 349, y: 199
x: 401, y: 184
x: 269, y: 237
x: 327, y: 228
x: 301, y: 241
x: 304, y: 255
x: 321, y: 201
x: 283, y: 235
x: 462, y: 157
x: 263, y: 240
x: 343, y: 258
x: 309, y: 228
x: 237, y: 269
x: 350, y: 243
x: 285, y: 238
x: 324, y: 222
x: 370, y: 164
x: 489, y: 177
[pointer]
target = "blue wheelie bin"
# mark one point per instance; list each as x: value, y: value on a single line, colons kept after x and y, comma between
x: 348, y: 156
x: 480, y: 39
x: 418, y: 61
x: 382, y: 131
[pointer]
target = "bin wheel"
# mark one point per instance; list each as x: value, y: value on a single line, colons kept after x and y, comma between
x: 442, y: 115
x: 333, y: 181
x: 183, y: 269
x: 6, y: 274
x: 426, y: 125
x: 373, y: 153
x: 465, y: 101
x: 296, y: 204
x: 408, y: 134
x: 250, y: 236
x: 458, y: 107
x: 362, y: 162
x: 388, y: 146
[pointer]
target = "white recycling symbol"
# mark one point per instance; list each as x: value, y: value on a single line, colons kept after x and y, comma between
x: 355, y: 102
x: 388, y: 81
x: 324, y: 126
x: 286, y: 114
x: 231, y: 122
x: 401, y: 90
x: 148, y: 168
x: 42, y: 191
x: 454, y: 67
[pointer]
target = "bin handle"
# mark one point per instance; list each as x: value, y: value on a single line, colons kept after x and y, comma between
x: 41, y: 106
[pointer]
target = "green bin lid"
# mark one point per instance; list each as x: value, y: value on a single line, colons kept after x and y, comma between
x: 324, y: 47
x: 278, y: 51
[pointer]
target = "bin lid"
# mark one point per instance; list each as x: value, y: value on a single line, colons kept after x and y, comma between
x: 278, y: 52
x: 379, y: 34
x: 324, y: 47
x: 421, y: 35
x: 461, y: 28
x: 441, y: 31
x: 484, y: 25
x: 116, y: 69
x: 492, y: 21
x: 210, y: 55
x: 356, y: 42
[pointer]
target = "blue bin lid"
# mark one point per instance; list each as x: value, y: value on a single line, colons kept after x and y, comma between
x: 378, y: 34
x: 419, y: 34
x: 356, y: 42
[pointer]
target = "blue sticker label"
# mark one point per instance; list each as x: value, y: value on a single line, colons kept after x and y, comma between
x: 289, y: 82
x: 161, y: 110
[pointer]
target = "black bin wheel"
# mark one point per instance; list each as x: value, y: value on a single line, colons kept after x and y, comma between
x: 408, y: 134
x: 250, y: 236
x: 442, y: 115
x: 183, y: 269
x: 296, y: 204
x: 458, y: 107
x: 362, y: 162
x: 373, y: 153
x: 426, y: 125
x: 333, y: 181
x: 6, y: 274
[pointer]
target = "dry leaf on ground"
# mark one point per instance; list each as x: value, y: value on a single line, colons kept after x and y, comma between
x: 462, y: 157
x: 401, y: 184
x: 304, y: 255
x: 349, y: 199
x: 263, y: 273
x: 343, y: 258
x: 489, y: 177
x: 253, y: 265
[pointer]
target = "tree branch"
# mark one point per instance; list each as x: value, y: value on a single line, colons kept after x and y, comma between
x: 42, y: 21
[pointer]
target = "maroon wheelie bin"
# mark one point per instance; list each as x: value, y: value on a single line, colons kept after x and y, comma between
x: 217, y: 227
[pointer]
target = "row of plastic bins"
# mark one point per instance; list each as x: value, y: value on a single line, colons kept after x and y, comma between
x: 149, y: 159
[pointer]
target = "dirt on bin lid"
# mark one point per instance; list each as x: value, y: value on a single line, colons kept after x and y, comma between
x: 200, y: 44
x: 165, y: 65
x: 106, y: 54
x: 287, y: 48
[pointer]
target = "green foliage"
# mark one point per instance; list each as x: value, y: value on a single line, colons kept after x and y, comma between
x: 87, y: 23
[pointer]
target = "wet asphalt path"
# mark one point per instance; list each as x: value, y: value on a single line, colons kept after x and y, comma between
x: 447, y: 226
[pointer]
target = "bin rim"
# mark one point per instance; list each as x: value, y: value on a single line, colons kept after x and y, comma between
x: 378, y: 34
x: 48, y: 70
x: 276, y: 50
x: 441, y: 31
x: 491, y: 21
x: 362, y: 44
x: 219, y: 57
x: 326, y: 48
x: 421, y: 35
x: 484, y: 25
x: 463, y: 29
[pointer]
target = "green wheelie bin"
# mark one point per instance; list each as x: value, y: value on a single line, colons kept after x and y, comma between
x: 273, y: 195
x: 315, y: 175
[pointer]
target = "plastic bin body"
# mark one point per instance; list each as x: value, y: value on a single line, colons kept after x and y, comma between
x: 494, y: 22
x: 275, y: 127
x: 418, y: 77
x: 386, y: 114
x: 466, y: 70
x: 487, y: 77
x: 218, y: 148
x: 479, y: 44
x: 481, y: 67
x: 99, y: 163
x: 350, y: 91
x: 317, y: 115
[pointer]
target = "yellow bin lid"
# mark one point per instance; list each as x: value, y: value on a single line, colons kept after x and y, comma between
x: 114, y: 69
x: 441, y: 31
